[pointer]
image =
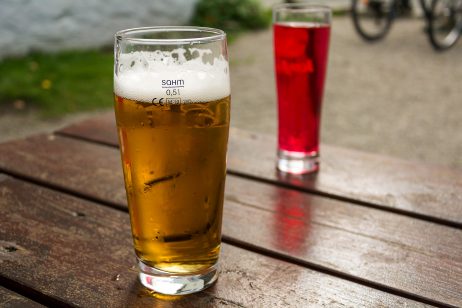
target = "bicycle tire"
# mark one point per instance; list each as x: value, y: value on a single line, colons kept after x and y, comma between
x: 454, y: 33
x: 387, y: 18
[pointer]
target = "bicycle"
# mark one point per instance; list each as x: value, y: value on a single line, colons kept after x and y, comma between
x: 445, y: 23
x: 373, y: 19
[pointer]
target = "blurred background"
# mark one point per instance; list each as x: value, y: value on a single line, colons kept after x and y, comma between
x: 397, y: 96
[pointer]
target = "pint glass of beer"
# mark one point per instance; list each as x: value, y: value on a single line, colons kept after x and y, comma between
x: 172, y: 105
x: 301, y: 44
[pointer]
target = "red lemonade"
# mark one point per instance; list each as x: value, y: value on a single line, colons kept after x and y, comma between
x: 301, y: 50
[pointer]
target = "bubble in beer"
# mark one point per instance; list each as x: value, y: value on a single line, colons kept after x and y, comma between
x: 199, y: 118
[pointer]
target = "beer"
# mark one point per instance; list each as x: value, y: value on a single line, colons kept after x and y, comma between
x: 172, y: 105
x: 173, y: 158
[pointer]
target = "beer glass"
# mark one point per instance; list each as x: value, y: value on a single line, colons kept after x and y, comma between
x: 301, y: 43
x: 172, y: 105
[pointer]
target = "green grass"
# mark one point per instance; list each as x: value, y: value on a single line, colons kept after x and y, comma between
x: 58, y: 83
x: 231, y: 15
x: 74, y: 81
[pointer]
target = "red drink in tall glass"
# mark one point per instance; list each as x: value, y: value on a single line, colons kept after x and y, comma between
x: 301, y: 50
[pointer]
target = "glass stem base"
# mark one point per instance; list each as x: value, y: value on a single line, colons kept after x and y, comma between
x: 297, y: 162
x: 176, y: 283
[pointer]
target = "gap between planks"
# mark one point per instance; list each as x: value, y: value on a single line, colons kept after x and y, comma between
x: 32, y: 294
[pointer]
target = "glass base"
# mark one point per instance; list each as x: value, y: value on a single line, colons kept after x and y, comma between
x: 297, y: 162
x: 176, y: 284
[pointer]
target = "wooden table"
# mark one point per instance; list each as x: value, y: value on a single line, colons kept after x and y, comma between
x: 367, y: 230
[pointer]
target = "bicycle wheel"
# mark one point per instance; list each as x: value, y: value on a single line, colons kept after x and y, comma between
x: 445, y: 23
x: 372, y: 19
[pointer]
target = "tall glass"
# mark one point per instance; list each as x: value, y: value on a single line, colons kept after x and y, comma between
x: 172, y: 104
x: 301, y: 43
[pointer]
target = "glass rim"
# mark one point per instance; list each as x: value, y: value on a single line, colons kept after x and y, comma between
x: 301, y: 7
x: 126, y: 35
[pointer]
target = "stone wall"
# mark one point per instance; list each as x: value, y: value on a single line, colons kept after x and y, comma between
x: 51, y: 25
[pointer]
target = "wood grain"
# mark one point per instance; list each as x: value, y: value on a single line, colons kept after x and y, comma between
x: 9, y: 299
x: 66, y: 163
x: 425, y: 191
x: 101, y: 129
x: 81, y: 253
x: 383, y: 249
x: 433, y: 192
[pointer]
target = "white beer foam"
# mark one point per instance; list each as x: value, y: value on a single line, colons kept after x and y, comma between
x: 144, y: 76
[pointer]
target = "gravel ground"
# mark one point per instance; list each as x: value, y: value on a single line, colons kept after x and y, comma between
x: 397, y: 97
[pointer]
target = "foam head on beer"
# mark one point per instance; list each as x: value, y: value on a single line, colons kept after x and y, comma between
x: 193, y: 73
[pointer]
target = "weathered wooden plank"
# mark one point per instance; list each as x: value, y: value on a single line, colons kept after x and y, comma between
x: 63, y: 162
x: 385, y: 249
x: 100, y: 129
x: 9, y: 299
x: 390, y: 183
x: 433, y: 192
x: 81, y: 253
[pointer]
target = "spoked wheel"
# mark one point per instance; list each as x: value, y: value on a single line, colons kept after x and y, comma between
x: 372, y: 18
x: 445, y: 23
